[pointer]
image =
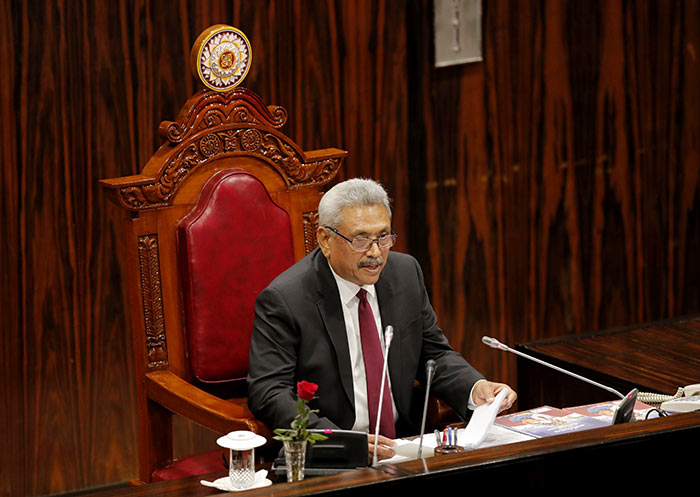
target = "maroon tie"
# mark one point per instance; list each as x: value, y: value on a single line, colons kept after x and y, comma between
x: 374, y: 363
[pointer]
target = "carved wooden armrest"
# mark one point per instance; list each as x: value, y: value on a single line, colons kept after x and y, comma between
x: 219, y: 415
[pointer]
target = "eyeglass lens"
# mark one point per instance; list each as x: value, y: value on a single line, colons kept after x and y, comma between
x: 363, y: 244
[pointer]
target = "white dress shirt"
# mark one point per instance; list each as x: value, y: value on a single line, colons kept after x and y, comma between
x: 350, y: 302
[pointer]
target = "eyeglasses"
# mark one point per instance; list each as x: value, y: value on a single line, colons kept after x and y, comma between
x: 364, y: 244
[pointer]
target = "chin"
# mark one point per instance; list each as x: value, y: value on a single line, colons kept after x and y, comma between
x: 370, y: 279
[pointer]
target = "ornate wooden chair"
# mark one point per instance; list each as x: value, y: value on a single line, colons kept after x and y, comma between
x: 223, y: 206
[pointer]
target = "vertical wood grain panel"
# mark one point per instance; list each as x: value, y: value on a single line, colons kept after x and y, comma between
x: 12, y: 418
x: 561, y: 176
x: 686, y: 238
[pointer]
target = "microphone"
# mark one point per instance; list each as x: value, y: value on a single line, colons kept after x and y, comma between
x: 495, y: 344
x: 492, y: 342
x: 624, y: 413
x: 429, y: 372
x: 388, y: 336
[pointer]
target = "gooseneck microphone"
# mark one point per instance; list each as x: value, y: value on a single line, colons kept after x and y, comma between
x: 429, y: 372
x: 388, y: 336
x: 625, y: 411
x: 495, y: 344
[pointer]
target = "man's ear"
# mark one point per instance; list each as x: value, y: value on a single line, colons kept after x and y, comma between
x: 324, y: 240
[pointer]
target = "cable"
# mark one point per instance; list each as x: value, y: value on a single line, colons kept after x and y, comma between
x: 658, y: 398
x: 660, y: 412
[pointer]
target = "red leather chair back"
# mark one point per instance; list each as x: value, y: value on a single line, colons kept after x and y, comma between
x: 232, y: 244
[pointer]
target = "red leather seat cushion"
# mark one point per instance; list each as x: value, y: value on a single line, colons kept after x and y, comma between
x: 232, y: 244
x: 198, y: 464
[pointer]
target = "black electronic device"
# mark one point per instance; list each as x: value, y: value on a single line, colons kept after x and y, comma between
x: 343, y: 450
x: 625, y: 411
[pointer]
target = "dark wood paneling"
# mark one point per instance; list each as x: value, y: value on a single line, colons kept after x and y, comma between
x: 551, y: 189
x: 12, y: 424
x: 562, y: 172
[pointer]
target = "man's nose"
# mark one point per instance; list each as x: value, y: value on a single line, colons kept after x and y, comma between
x: 374, y: 250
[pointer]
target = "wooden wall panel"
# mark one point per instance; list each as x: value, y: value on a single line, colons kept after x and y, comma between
x: 562, y: 172
x: 339, y: 70
x: 11, y: 369
x: 553, y: 188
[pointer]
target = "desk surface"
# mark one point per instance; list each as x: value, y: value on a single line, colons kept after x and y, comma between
x: 655, y: 357
x: 603, y: 458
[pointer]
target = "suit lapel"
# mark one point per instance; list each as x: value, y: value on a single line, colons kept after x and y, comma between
x: 332, y: 314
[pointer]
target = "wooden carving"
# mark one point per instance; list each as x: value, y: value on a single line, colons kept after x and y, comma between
x: 154, y: 320
x: 213, y: 109
x: 310, y: 220
x: 213, y: 125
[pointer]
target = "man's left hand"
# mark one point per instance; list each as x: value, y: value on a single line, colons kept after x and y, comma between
x: 485, y: 392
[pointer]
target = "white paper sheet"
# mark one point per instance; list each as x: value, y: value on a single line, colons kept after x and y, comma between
x: 480, y: 422
x: 480, y: 432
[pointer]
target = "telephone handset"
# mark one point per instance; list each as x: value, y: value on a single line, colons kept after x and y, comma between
x: 686, y: 399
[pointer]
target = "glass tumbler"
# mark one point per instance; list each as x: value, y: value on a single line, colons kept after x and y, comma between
x: 241, y: 470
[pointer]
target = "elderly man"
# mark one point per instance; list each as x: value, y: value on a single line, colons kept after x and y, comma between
x: 322, y: 321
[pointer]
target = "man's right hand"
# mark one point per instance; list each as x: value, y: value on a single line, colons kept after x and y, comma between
x: 384, y: 447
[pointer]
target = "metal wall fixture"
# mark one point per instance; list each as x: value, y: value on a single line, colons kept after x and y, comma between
x: 457, y: 26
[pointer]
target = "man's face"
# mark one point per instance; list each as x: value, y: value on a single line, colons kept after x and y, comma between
x: 361, y: 268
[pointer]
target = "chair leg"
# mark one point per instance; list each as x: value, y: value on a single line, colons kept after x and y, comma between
x: 155, y: 440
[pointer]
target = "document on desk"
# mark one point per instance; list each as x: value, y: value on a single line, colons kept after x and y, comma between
x: 480, y: 432
x: 482, y: 419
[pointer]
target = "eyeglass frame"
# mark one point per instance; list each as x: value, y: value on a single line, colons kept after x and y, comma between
x: 393, y: 236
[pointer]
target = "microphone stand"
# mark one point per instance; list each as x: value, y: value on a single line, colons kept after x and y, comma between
x: 429, y: 371
x: 388, y: 335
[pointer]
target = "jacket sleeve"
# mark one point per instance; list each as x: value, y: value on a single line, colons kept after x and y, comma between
x: 272, y: 374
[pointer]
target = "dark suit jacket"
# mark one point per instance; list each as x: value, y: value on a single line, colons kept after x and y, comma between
x: 299, y: 334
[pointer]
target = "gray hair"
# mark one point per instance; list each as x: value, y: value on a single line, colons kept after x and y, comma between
x: 356, y: 191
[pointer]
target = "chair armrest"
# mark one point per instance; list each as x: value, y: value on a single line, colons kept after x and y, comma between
x: 439, y: 413
x: 185, y: 399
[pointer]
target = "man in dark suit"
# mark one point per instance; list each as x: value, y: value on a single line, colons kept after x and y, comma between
x: 322, y: 321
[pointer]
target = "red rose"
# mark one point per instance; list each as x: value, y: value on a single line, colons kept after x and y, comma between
x: 306, y: 390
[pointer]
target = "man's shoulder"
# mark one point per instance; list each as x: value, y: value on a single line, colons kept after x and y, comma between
x: 399, y: 264
x: 300, y: 274
x: 401, y: 259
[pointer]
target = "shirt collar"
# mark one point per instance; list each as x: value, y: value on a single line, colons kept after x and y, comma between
x: 348, y: 290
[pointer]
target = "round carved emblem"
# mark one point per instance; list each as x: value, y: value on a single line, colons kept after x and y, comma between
x: 210, y: 145
x: 221, y: 57
x: 250, y: 140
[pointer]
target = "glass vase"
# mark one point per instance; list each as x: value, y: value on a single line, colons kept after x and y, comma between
x: 295, y: 458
